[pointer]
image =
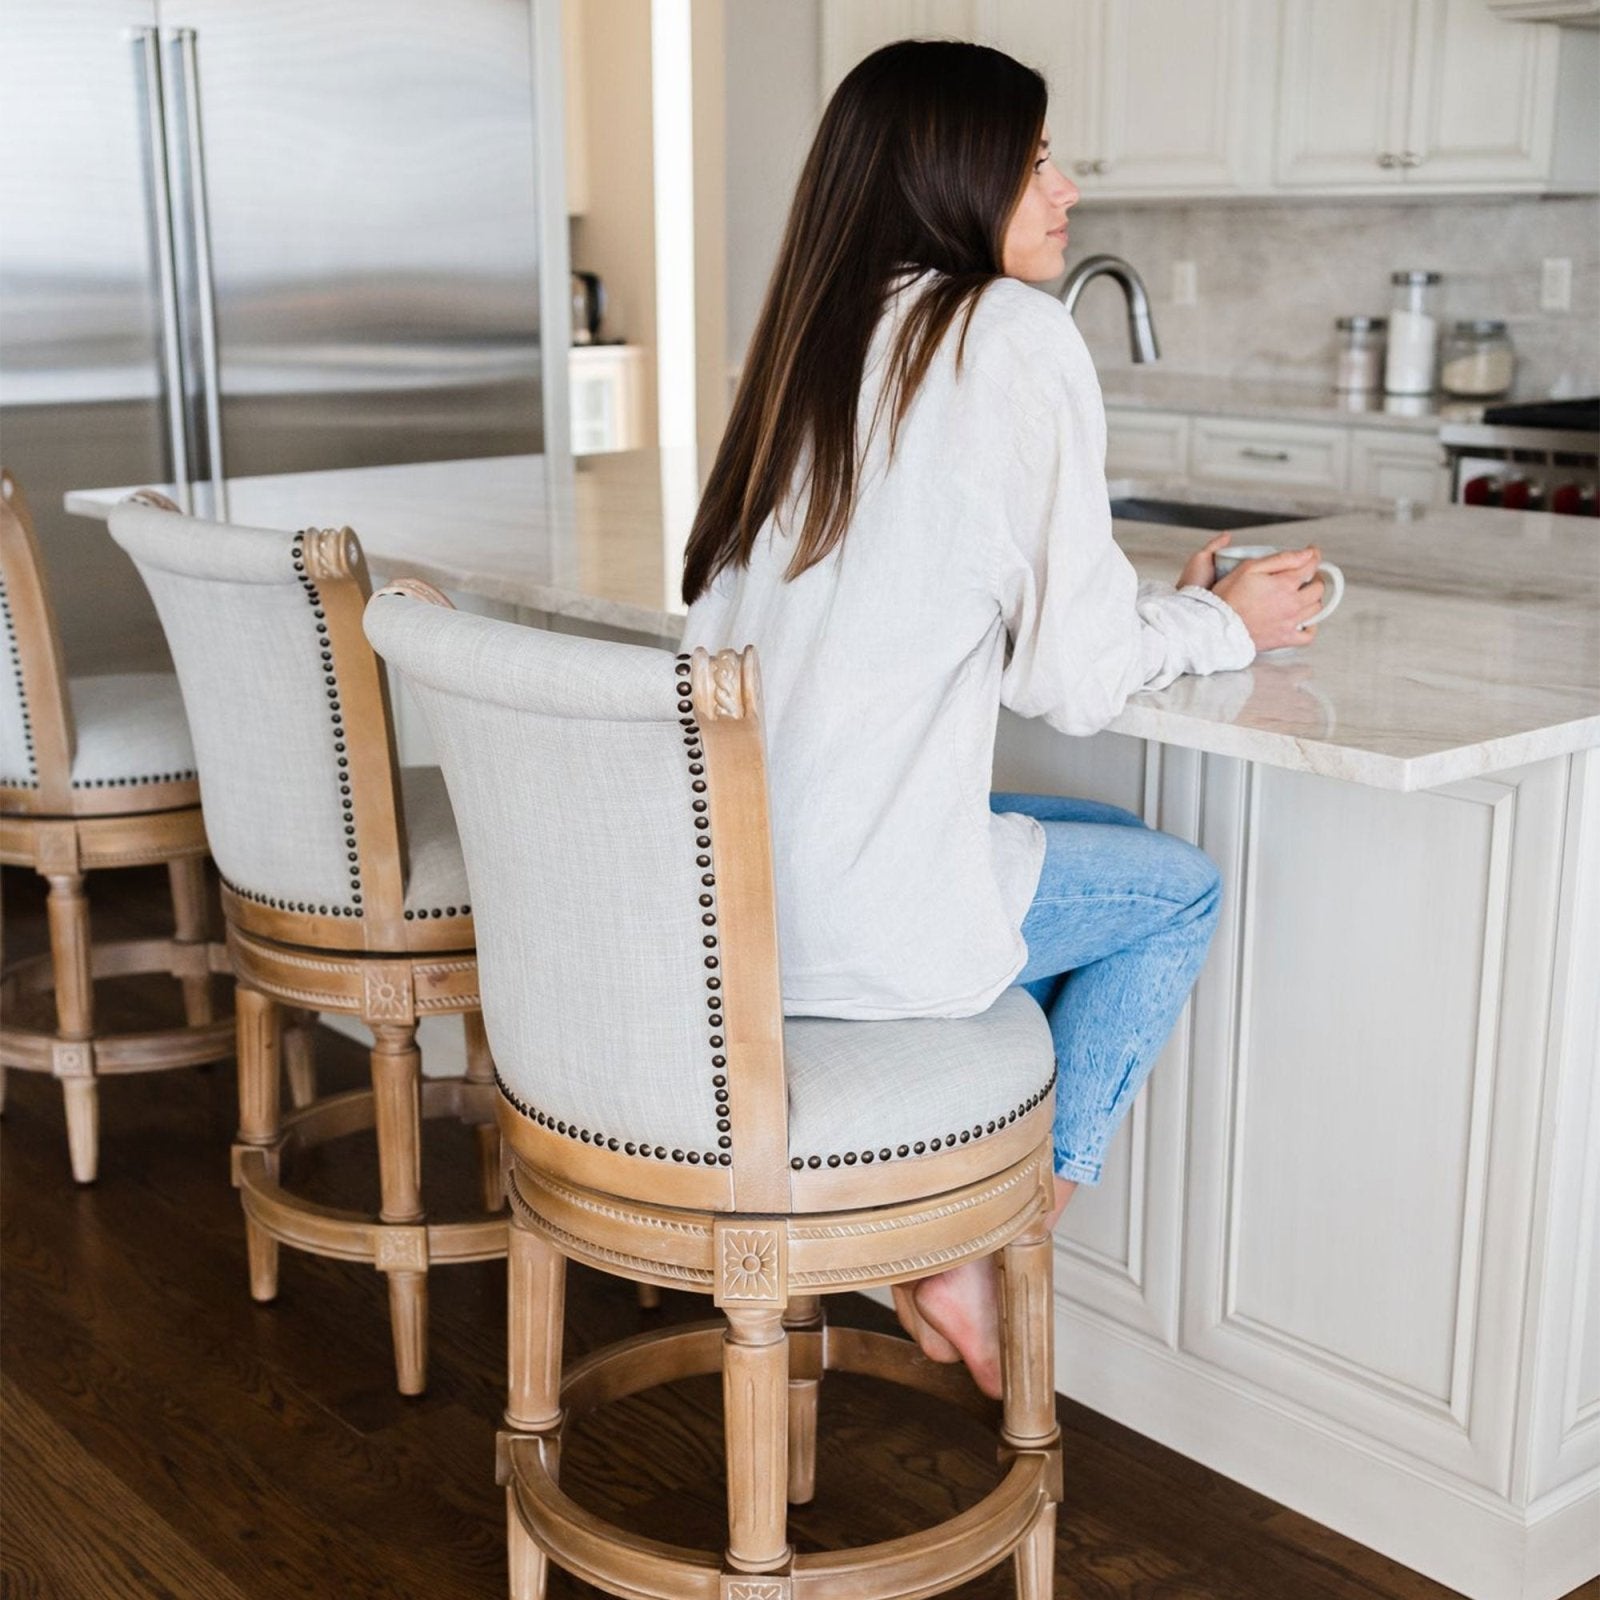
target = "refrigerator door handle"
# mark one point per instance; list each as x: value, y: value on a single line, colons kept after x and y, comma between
x: 147, y: 48
x: 205, y: 286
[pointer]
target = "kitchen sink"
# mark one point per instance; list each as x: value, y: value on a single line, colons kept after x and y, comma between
x: 1186, y: 514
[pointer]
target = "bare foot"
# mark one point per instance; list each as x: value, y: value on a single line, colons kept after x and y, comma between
x: 932, y: 1344
x: 962, y: 1306
x: 959, y: 1311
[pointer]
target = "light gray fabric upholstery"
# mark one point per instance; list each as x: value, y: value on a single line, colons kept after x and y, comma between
x: 568, y: 764
x: 876, y: 1090
x: 244, y: 634
x: 16, y: 747
x: 131, y: 730
x: 568, y: 772
x: 438, y: 882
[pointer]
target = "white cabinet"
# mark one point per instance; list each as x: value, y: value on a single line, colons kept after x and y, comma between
x: 606, y: 397
x: 1386, y: 465
x: 1153, y: 444
x: 1292, y: 455
x: 1434, y: 95
x: 851, y: 30
x: 1148, y: 97
x: 1324, y: 459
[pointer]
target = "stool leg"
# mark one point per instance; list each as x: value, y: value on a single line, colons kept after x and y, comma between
x: 396, y: 1084
x: 480, y: 1069
x: 186, y: 875
x: 300, y: 1058
x: 1027, y: 1353
x: 804, y: 1315
x: 755, y: 1384
x: 536, y: 1281
x: 68, y: 911
x: 258, y: 1036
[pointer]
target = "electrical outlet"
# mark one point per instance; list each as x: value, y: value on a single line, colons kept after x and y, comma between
x: 1185, y: 284
x: 1555, y: 284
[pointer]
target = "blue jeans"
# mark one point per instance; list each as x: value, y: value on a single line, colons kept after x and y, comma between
x: 1117, y: 933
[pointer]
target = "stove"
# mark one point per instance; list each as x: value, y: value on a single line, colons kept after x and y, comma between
x: 1543, y: 456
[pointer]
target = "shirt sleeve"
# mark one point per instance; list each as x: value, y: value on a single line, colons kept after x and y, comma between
x: 1085, y: 631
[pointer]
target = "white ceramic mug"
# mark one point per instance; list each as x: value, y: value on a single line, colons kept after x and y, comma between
x: 1229, y: 558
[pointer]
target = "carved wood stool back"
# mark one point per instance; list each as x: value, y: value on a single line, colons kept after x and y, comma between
x: 94, y: 772
x: 343, y: 887
x: 664, y: 1122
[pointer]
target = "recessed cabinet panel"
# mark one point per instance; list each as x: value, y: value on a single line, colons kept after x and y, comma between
x: 1398, y: 466
x: 851, y: 30
x: 1174, y: 74
x: 1481, y: 107
x: 1321, y: 1107
x: 1345, y: 69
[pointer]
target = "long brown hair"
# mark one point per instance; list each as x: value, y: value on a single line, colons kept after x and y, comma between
x: 920, y: 160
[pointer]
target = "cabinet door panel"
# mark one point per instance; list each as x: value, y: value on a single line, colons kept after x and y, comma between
x: 851, y: 30
x: 1393, y: 466
x: 1483, y: 95
x: 1061, y: 39
x: 1344, y: 73
x: 1174, y: 74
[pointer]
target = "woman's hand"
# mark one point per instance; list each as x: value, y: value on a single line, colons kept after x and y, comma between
x: 1201, y: 567
x: 1274, y: 595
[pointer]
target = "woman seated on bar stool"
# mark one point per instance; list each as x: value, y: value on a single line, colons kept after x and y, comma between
x: 908, y: 518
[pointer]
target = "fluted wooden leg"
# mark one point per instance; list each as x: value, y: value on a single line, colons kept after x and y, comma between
x: 1027, y: 1351
x: 403, y: 1248
x: 190, y: 914
x: 536, y: 1283
x: 300, y: 1058
x: 804, y: 1313
x: 258, y: 1035
x: 68, y: 910
x: 1035, y: 1558
x: 480, y: 1069
x: 755, y: 1394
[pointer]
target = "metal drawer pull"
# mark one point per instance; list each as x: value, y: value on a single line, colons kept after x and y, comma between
x: 1388, y: 159
x: 1409, y: 158
x: 1251, y: 453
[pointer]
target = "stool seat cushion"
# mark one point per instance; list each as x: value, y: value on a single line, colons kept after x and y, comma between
x: 437, y: 885
x: 131, y: 730
x: 873, y: 1091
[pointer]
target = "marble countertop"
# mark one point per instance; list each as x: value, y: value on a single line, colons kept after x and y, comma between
x: 1469, y: 640
x: 1280, y: 400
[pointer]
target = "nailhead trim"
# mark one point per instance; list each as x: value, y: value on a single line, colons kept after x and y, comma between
x: 926, y: 1146
x: 700, y: 809
x: 336, y: 717
x: 122, y: 783
x: 31, y: 781
x: 603, y: 1141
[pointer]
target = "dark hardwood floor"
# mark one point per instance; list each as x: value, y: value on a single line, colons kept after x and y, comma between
x: 164, y: 1437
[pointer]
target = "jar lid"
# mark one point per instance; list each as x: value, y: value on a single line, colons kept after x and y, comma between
x: 1361, y: 324
x: 1483, y: 326
x: 1414, y: 275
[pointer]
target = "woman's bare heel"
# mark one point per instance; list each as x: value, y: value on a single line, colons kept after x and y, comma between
x: 932, y: 1343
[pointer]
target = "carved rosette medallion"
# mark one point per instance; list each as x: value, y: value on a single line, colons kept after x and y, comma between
x: 386, y: 995
x: 750, y: 1266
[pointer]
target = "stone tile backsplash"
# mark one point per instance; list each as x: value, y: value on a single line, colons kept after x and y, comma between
x: 1272, y: 279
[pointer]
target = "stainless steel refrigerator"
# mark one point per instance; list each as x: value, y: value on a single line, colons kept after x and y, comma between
x: 250, y: 236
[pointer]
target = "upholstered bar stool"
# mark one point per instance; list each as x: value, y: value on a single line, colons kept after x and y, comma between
x: 664, y: 1123
x: 343, y: 887
x: 94, y: 772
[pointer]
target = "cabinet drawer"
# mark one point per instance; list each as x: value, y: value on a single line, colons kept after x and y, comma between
x: 1145, y: 443
x: 1245, y: 451
x: 1390, y: 466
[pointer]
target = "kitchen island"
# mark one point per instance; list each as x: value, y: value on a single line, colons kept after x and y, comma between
x: 1345, y: 1246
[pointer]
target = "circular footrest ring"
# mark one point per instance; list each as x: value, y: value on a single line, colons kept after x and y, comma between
x: 612, y: 1558
x: 345, y: 1235
x: 110, y: 1054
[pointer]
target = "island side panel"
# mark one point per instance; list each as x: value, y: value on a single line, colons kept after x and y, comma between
x: 1338, y: 1159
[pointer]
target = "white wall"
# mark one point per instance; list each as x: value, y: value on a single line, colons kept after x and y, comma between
x: 773, y: 67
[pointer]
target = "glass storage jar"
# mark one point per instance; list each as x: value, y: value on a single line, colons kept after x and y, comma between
x: 1413, y: 334
x: 1476, y: 360
x: 1359, y: 367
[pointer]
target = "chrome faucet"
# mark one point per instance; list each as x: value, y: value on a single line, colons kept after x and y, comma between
x: 1141, y: 331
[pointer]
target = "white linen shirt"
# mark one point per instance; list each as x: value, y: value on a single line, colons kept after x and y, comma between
x: 978, y: 570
